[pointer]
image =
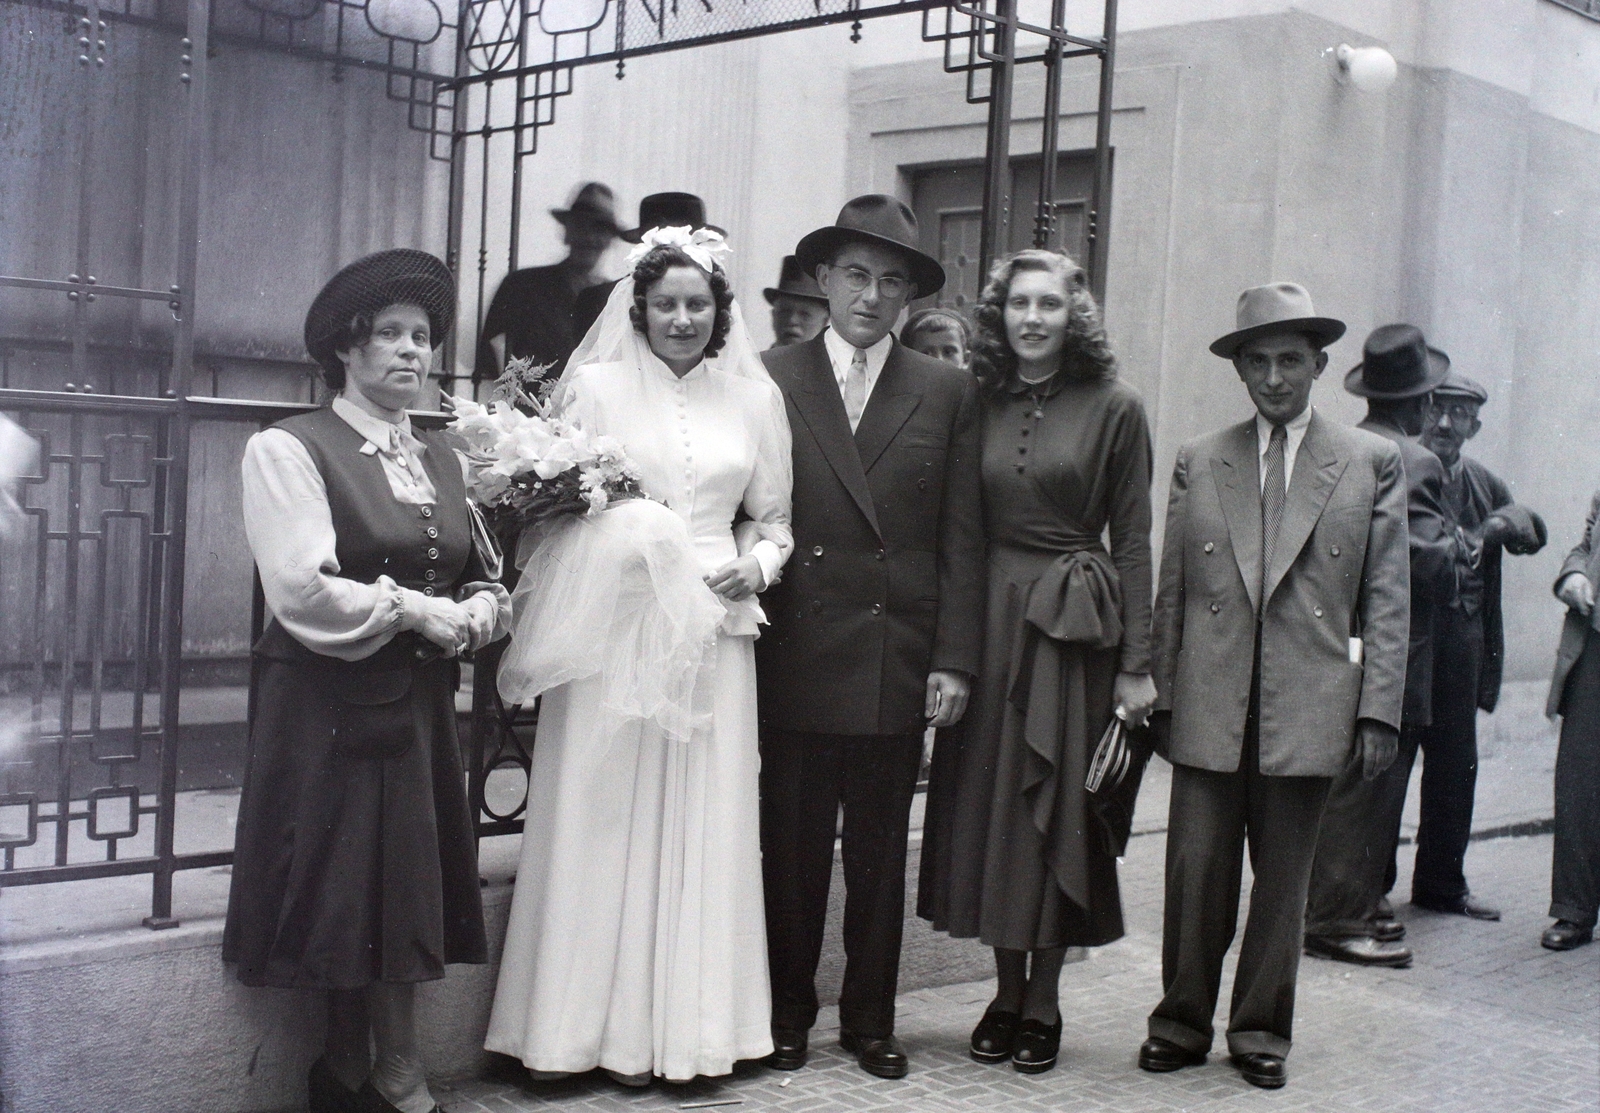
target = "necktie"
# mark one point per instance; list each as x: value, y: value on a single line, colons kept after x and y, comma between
x: 1273, y: 497
x: 855, y: 388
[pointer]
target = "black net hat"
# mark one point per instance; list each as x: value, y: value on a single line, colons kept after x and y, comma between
x: 400, y: 276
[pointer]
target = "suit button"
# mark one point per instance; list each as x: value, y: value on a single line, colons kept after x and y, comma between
x: 1317, y: 611
x: 817, y: 552
x: 1209, y: 546
x: 878, y: 555
x: 433, y: 554
x: 421, y: 653
x: 430, y: 574
x: 1334, y: 551
x: 427, y: 591
x: 1215, y: 608
x: 922, y: 484
x: 877, y: 608
x: 816, y: 605
x: 427, y: 511
x: 433, y: 531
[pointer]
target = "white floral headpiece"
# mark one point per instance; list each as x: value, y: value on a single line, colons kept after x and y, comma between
x: 704, y: 245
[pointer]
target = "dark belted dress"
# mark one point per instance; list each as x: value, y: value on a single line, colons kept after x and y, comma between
x: 354, y: 859
x: 1014, y: 851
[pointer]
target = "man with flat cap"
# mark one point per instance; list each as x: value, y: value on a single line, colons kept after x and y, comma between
x: 875, y: 627
x: 658, y: 210
x: 1348, y: 918
x: 1468, y: 645
x: 1280, y: 650
x: 531, y: 314
x: 799, y: 307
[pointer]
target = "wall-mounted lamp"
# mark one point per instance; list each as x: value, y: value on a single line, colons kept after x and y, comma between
x: 1371, y: 69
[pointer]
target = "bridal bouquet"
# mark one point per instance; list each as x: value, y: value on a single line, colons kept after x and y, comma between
x: 526, y: 465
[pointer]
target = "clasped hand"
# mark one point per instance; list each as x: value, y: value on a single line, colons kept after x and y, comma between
x: 1577, y: 592
x: 455, y: 627
x: 739, y: 579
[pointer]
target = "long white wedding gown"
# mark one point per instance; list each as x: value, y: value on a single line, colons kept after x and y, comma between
x: 637, y: 937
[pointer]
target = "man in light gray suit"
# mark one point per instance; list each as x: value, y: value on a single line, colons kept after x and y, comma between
x: 1280, y: 655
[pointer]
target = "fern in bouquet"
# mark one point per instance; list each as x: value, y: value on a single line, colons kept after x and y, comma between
x: 527, y: 465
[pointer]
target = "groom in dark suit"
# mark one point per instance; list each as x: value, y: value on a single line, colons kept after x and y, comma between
x: 876, y: 625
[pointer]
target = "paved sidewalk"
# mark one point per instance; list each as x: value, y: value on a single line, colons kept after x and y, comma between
x: 1486, y: 1022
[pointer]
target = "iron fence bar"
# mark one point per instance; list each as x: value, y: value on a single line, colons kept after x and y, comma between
x: 84, y: 287
x: 120, y: 867
x: 1099, y: 222
x: 1045, y: 218
x: 993, y: 236
x: 456, y: 208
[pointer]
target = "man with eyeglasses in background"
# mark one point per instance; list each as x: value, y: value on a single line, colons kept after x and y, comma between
x: 875, y: 627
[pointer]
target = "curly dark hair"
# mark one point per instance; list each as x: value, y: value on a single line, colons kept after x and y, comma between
x: 353, y: 334
x: 654, y: 266
x: 1085, y: 354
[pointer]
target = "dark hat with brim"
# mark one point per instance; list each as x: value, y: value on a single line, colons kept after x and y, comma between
x: 669, y: 210
x: 401, y: 276
x: 794, y: 281
x: 879, y: 219
x: 1457, y: 385
x: 1397, y: 363
x: 592, y: 201
x: 1274, y: 309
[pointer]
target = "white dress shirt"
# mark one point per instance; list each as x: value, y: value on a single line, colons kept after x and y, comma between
x: 1295, y: 431
x: 841, y: 352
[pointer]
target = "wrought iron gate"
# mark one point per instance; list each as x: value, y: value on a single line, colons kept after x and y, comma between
x: 98, y: 360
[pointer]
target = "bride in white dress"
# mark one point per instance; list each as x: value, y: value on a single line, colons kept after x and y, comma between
x: 637, y: 938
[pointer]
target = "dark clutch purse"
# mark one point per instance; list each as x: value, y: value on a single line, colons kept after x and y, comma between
x: 1115, y: 772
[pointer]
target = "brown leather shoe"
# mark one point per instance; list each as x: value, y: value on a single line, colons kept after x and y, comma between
x: 1564, y: 935
x: 1362, y: 950
x: 883, y: 1056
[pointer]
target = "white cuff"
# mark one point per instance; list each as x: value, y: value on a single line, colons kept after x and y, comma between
x: 770, y: 557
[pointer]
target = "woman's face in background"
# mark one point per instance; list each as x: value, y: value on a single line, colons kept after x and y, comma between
x: 1036, y: 317
x: 390, y: 368
x: 680, y: 310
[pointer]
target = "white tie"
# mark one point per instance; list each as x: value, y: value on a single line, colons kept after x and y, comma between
x: 855, y: 388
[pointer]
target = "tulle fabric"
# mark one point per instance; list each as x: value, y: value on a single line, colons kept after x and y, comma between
x: 617, y: 595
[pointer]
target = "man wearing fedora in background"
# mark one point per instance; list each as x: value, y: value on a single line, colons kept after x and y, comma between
x: 799, y: 307
x: 1468, y: 647
x: 1348, y: 918
x: 531, y: 314
x: 658, y: 210
x: 876, y: 625
x: 1280, y: 650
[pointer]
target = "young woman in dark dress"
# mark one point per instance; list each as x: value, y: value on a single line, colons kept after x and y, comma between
x: 1013, y: 853
x: 355, y: 869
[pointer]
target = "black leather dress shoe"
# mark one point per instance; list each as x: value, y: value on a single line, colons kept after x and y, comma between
x: 1038, y: 1046
x: 1387, y: 931
x: 368, y: 1100
x: 1564, y: 935
x: 1362, y: 950
x: 995, y: 1037
x: 883, y: 1057
x: 1462, y: 906
x: 326, y: 1094
x: 1161, y: 1056
x: 788, y: 1049
x: 1261, y: 1069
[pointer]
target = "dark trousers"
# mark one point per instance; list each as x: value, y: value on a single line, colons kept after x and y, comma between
x: 1449, y: 747
x: 804, y: 780
x: 1211, y: 816
x: 1575, y: 864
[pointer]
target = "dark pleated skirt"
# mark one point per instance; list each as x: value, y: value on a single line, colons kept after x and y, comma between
x: 351, y: 870
x: 985, y: 862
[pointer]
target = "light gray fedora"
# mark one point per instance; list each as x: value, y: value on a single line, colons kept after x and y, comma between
x: 1276, y: 308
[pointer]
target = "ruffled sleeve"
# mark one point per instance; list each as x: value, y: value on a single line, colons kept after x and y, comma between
x: 290, y: 530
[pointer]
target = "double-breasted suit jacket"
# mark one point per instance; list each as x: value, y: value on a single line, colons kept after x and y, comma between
x: 1584, y: 558
x: 1339, y: 571
x: 887, y: 581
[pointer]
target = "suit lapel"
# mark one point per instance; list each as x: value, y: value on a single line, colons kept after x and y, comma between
x: 894, y: 397
x: 1239, y: 488
x: 816, y: 397
x: 1316, y: 470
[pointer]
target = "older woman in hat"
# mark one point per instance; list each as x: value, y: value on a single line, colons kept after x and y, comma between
x: 355, y: 870
x: 1014, y: 852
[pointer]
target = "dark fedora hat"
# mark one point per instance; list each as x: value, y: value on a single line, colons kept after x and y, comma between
x: 795, y: 281
x: 1396, y: 362
x: 400, y: 276
x: 593, y: 200
x: 669, y: 210
x: 880, y: 219
x: 1275, y: 308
